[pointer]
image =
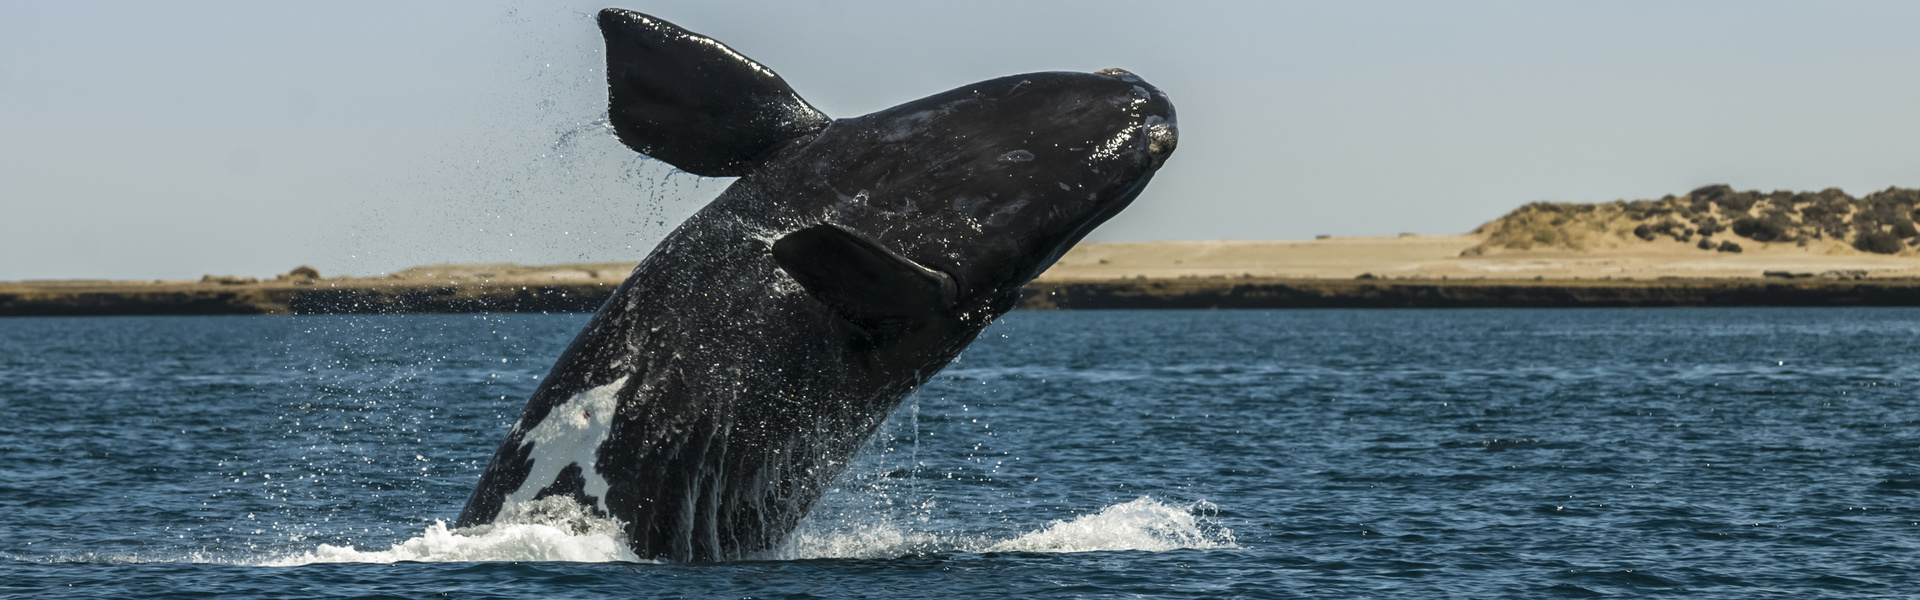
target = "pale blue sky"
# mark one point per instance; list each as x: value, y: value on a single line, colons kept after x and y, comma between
x: 169, y: 140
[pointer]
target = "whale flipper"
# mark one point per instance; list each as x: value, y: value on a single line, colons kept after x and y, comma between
x: 686, y: 99
x: 861, y: 279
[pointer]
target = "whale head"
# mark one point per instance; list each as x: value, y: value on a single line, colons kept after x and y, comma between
x: 990, y: 183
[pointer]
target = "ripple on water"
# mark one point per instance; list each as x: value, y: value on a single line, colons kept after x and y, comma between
x: 1392, y: 454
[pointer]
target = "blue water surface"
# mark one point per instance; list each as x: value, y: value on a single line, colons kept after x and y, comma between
x: 1721, y: 453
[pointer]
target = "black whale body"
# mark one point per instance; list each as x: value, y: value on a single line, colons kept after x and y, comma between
x: 726, y: 383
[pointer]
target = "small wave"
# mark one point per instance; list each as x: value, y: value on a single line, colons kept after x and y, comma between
x: 520, y: 542
x: 873, y: 541
x: 1142, y: 524
x: 553, y: 529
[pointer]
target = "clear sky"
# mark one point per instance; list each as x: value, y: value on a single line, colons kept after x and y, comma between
x: 170, y: 140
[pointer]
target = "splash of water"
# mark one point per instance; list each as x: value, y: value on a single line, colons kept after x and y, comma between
x: 550, y: 529
x: 1142, y: 524
x: 563, y: 532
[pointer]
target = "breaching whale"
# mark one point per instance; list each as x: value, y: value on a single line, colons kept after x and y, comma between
x: 722, y: 387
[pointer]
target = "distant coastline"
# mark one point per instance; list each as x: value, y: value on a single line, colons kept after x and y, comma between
x: 113, y: 299
x: 582, y: 288
x: 1711, y: 247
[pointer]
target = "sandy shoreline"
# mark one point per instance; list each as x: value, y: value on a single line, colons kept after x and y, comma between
x: 1359, y: 272
x: 1440, y: 257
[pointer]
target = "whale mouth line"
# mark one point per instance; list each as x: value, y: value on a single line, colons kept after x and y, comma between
x: 1112, y: 207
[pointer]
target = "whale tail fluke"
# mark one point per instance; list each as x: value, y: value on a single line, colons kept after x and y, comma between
x: 686, y: 99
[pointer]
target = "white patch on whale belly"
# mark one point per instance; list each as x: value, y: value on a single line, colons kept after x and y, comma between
x: 571, y: 434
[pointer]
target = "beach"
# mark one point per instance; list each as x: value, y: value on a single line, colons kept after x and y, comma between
x: 1334, y: 272
x: 1440, y: 257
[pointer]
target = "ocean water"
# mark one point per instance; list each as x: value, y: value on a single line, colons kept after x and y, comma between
x: 1738, y: 453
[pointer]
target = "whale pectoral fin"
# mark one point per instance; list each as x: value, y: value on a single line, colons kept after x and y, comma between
x: 859, y: 278
x: 686, y: 99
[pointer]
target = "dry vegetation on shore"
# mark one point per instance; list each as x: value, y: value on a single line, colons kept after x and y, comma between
x: 1716, y: 218
x: 1713, y: 232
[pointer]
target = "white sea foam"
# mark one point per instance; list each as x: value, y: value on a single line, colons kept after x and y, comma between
x: 550, y: 529
x: 847, y: 540
x: 516, y: 542
x: 1143, y: 524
